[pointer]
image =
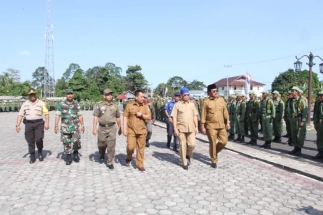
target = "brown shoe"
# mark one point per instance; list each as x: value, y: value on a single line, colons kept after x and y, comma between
x: 141, y: 169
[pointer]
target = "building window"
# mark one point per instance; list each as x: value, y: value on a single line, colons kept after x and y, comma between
x: 235, y: 88
x: 251, y: 87
x: 222, y: 88
x: 258, y: 88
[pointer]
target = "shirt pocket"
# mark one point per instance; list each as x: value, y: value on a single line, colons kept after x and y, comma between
x: 209, y: 110
x: 38, y: 110
x: 27, y: 110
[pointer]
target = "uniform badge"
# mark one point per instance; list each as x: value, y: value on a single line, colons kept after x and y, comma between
x: 102, y: 109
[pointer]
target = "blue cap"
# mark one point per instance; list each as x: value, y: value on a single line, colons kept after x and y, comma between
x: 177, y: 94
x: 184, y: 90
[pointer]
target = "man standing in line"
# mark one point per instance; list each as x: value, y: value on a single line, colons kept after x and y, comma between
x: 287, y: 117
x: 253, y: 114
x: 231, y: 109
x: 108, y: 116
x: 149, y: 123
x: 277, y: 122
x: 168, y: 108
x: 268, y: 113
x: 184, y: 117
x: 240, y: 113
x: 71, y: 125
x: 33, y: 110
x: 134, y: 128
x: 298, y: 118
x: 318, y: 123
x: 215, y: 123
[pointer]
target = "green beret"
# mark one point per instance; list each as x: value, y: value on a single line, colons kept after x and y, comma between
x: 296, y: 88
x: 252, y: 92
x: 265, y: 91
x: 276, y: 92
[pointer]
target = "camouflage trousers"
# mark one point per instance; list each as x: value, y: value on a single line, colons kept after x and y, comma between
x: 71, y: 141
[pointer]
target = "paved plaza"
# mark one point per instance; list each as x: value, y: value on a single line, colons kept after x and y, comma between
x: 240, y: 185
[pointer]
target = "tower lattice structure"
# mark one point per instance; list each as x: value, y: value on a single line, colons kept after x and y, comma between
x: 49, y: 74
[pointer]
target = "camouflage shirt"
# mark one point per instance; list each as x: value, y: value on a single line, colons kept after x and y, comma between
x: 69, y: 113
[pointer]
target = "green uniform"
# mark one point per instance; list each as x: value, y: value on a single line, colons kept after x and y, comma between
x: 240, y: 113
x: 287, y: 116
x: 252, y: 114
x: 70, y: 125
x: 318, y: 122
x: 298, y: 113
x: 231, y: 110
x: 277, y: 121
x: 267, y: 112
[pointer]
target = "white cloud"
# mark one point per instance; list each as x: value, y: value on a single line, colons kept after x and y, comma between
x: 25, y: 52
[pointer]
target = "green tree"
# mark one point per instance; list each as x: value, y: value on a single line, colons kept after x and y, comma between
x: 135, y: 79
x: 159, y: 90
x: 73, y: 67
x: 196, y: 85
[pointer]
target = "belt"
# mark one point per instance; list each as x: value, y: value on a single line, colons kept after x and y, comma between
x: 107, y: 125
x: 33, y: 121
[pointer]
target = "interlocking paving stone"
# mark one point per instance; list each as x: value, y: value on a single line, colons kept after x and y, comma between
x: 239, y: 185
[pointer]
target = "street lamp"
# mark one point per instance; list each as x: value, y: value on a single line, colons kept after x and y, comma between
x: 298, y: 67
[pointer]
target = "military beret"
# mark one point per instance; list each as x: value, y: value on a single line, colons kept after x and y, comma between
x: 252, y: 92
x: 31, y: 91
x: 301, y: 91
x: 276, y: 92
x: 107, y: 91
x: 69, y: 91
x: 211, y: 87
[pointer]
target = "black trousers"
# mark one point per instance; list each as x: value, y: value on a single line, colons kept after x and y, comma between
x: 34, y: 134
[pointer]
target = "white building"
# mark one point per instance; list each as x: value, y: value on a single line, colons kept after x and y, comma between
x: 232, y: 85
x: 198, y: 93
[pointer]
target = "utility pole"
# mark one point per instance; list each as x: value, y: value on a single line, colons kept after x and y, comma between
x: 49, y: 74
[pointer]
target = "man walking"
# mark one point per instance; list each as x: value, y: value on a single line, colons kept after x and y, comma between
x: 69, y: 111
x: 268, y: 113
x: 318, y: 123
x: 134, y: 128
x: 215, y: 123
x: 32, y: 111
x: 287, y: 117
x: 108, y: 116
x: 149, y: 123
x: 240, y: 113
x: 184, y: 117
x: 168, y: 108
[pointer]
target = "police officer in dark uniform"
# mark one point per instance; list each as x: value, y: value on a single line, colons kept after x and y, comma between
x: 32, y: 111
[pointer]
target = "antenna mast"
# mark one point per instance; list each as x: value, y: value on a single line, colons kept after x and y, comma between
x: 49, y: 74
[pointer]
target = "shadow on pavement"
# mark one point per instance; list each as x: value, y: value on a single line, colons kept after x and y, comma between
x: 94, y: 157
x: 162, y: 145
x: 202, y: 158
x: 310, y: 210
x: 46, y: 153
x: 169, y: 157
x: 121, y: 158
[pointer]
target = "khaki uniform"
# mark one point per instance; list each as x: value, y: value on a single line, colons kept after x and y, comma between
x: 252, y: 118
x: 107, y: 114
x: 137, y: 131
x: 214, y: 115
x: 34, y: 129
x: 277, y: 121
x: 185, y: 112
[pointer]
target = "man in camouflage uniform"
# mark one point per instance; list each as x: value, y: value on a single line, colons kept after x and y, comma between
x: 108, y: 116
x: 252, y: 117
x: 268, y: 114
x: 240, y: 113
x: 298, y: 111
x: 149, y: 123
x: 231, y: 105
x: 277, y: 122
x: 71, y: 125
x: 318, y: 124
x: 287, y: 117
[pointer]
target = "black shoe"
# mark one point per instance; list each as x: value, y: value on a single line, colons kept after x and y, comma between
x: 185, y: 167
x: 101, y: 160
x: 238, y: 138
x: 175, y: 149
x: 286, y: 135
x: 110, y: 166
x: 242, y: 139
x: 319, y: 155
x: 298, y: 152
x: 279, y: 140
x: 40, y: 155
x: 213, y: 165
x: 266, y: 145
x: 293, y: 151
x: 289, y: 142
x: 188, y: 160
x: 76, y: 156
x: 32, y: 158
x: 147, y: 143
x: 68, y: 159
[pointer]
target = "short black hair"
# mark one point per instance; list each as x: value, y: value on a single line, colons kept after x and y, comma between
x: 137, y: 92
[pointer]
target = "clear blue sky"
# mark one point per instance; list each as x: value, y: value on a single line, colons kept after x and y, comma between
x: 188, y: 38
